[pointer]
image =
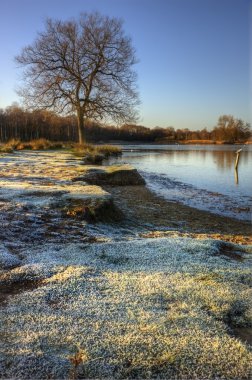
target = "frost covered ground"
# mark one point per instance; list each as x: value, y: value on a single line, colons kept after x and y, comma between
x: 35, y: 188
x: 149, y: 308
x: 127, y: 307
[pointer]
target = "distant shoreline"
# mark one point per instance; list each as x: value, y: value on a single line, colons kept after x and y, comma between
x: 182, y: 142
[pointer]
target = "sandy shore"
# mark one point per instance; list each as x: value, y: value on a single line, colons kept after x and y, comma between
x: 143, y: 208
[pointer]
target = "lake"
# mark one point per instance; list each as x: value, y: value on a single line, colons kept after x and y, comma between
x: 200, y: 176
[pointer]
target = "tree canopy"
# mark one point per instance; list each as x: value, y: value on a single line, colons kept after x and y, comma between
x: 83, y: 65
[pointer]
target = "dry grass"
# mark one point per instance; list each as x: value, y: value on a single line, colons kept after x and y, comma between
x: 197, y: 142
x: 38, y: 144
x: 91, y: 154
x: 10, y: 146
x: 109, y: 150
x: 79, y: 357
x: 95, y: 154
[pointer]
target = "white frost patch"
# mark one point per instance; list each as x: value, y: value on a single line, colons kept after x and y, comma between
x: 35, y: 178
x: 133, y: 307
x: 163, y: 254
x: 34, y: 194
x: 85, y: 192
x: 8, y: 260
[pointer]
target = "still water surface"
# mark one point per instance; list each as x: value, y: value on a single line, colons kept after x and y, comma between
x: 196, y: 175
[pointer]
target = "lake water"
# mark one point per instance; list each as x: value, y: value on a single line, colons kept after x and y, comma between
x: 200, y: 176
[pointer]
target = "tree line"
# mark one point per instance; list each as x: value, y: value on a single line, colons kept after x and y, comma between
x: 18, y: 123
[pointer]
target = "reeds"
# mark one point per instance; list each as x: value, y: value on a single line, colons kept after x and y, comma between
x: 38, y: 144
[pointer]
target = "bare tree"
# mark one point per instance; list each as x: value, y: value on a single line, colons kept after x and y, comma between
x: 85, y: 66
x: 231, y: 129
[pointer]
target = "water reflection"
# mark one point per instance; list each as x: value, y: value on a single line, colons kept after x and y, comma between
x: 223, y: 160
x: 203, y: 177
x: 207, y: 167
x: 236, y: 176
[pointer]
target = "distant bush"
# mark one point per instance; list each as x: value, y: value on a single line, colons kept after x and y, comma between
x: 39, y: 144
x: 95, y: 154
x: 197, y: 142
x: 10, y: 146
x: 109, y: 150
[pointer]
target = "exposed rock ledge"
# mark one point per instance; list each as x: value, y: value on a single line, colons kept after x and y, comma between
x: 116, y: 175
x: 92, y: 204
x: 67, y: 200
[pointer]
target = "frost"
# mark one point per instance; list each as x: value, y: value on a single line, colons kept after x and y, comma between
x: 7, y: 260
x: 127, y: 307
x: 158, y: 305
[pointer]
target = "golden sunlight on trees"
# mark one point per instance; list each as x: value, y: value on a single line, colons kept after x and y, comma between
x: 231, y: 129
x: 83, y: 66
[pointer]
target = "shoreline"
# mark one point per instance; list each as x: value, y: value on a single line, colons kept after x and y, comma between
x: 183, y: 142
x: 144, y: 208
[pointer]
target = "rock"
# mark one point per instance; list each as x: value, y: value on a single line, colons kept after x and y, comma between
x: 8, y: 260
x: 95, y: 159
x: 92, y: 204
x: 86, y: 192
x: 116, y: 175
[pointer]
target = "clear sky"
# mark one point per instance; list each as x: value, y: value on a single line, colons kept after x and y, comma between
x: 194, y: 55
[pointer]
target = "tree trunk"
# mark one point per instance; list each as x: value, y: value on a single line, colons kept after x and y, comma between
x: 81, y: 128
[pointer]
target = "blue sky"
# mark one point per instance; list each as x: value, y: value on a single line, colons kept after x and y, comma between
x: 194, y: 55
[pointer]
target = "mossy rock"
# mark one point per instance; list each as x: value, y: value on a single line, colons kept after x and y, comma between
x: 93, y: 211
x: 116, y: 175
x: 93, y: 159
x: 93, y: 205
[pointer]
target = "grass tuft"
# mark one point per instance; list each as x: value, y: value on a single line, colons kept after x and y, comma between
x: 79, y: 357
x: 91, y: 154
x: 38, y: 144
x: 10, y: 146
x: 95, y: 154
